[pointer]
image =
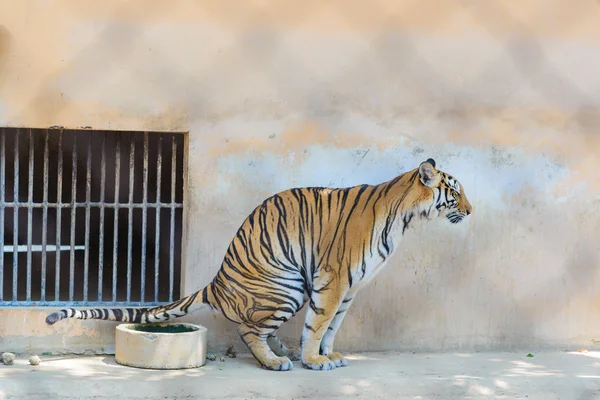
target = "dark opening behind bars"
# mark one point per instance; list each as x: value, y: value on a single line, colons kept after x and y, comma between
x: 78, y: 212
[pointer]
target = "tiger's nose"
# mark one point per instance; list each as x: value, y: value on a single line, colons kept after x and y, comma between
x: 468, y: 211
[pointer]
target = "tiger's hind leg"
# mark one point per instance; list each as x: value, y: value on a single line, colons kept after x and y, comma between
x: 256, y: 338
x: 280, y: 349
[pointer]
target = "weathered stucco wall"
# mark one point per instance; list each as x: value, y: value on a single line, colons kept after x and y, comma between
x: 504, y: 95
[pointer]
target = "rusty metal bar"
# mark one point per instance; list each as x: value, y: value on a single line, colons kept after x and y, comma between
x: 2, y: 199
x: 15, y: 257
x: 130, y: 214
x: 116, y: 220
x: 29, y: 216
x: 11, y: 204
x: 73, y: 215
x: 76, y: 304
x: 144, y: 220
x: 172, y: 231
x: 88, y: 191
x: 44, y: 220
x: 157, y: 230
x: 23, y: 248
x: 101, y: 238
x: 59, y: 178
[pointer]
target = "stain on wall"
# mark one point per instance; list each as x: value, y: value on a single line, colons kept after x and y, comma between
x: 504, y: 95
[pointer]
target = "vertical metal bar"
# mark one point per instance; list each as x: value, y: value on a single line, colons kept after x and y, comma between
x: 116, y: 219
x: 59, y: 178
x: 45, y: 219
x: 73, y: 215
x: 158, y: 209
x: 144, y: 220
x: 88, y: 191
x: 172, y: 231
x: 101, y: 239
x: 29, y: 215
x: 130, y: 219
x: 15, y: 257
x: 2, y: 200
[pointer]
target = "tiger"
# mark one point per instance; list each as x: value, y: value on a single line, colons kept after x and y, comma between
x: 314, y: 245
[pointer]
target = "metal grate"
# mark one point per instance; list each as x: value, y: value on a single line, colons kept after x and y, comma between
x: 92, y: 232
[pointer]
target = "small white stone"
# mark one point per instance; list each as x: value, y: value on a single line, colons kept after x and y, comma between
x: 34, y: 360
x: 8, y: 358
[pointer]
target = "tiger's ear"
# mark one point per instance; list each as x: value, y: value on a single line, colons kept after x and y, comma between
x: 428, y: 173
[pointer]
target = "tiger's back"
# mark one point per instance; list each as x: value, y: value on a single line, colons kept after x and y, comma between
x: 282, y: 243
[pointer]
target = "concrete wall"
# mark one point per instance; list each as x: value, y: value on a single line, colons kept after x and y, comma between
x: 504, y: 95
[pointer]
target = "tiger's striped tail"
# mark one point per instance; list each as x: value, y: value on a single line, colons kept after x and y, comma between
x: 167, y: 312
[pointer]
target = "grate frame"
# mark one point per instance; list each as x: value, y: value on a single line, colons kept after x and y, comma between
x: 173, y: 207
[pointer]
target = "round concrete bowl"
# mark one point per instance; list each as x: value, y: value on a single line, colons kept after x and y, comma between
x: 161, y: 346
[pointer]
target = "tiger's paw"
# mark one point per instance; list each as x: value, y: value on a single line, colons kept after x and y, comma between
x: 278, y: 364
x: 321, y: 363
x: 294, y: 353
x: 338, y: 359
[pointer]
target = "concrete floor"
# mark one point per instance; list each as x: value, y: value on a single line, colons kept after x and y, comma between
x: 546, y: 376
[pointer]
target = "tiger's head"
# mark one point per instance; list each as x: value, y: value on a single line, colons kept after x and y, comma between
x: 449, y: 198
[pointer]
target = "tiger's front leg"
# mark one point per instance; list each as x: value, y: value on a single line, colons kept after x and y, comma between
x: 329, y: 337
x: 325, y: 300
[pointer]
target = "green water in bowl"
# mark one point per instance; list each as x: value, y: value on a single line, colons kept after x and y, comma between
x: 175, y: 328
